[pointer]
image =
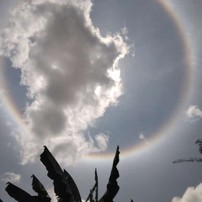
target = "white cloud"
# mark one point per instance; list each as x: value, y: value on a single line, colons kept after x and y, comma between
x: 194, y: 112
x: 52, y: 195
x: 11, y: 177
x: 70, y: 70
x: 102, y: 140
x: 192, y: 194
x: 142, y: 137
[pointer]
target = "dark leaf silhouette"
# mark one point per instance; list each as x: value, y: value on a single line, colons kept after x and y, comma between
x: 94, y: 189
x: 17, y: 193
x: 199, y: 142
x: 188, y: 160
x: 38, y: 187
x: 72, y: 186
x: 192, y: 159
x: 65, y: 188
x: 64, y: 185
x: 61, y: 187
x: 112, y: 186
x: 96, y: 186
x: 22, y: 196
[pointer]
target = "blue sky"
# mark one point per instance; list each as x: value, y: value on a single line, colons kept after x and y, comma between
x: 84, y: 78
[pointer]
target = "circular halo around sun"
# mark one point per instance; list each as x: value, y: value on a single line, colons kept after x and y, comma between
x: 170, y: 123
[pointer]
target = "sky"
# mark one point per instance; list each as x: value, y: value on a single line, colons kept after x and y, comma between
x: 82, y: 77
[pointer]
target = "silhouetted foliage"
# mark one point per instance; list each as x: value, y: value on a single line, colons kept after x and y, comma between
x: 192, y: 159
x: 112, y: 186
x: 38, y: 187
x: 94, y: 190
x: 64, y: 186
x: 22, y: 196
x: 199, y: 143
